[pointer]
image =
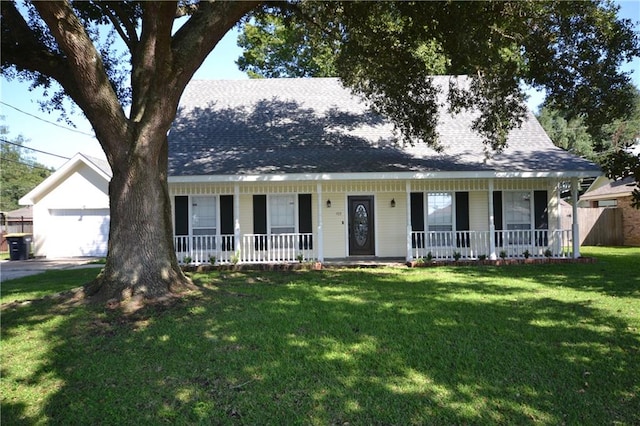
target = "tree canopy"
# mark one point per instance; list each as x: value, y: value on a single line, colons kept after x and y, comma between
x: 572, y: 50
x: 386, y: 51
x: 19, y: 173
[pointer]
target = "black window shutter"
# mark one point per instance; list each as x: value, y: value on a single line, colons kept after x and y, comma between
x: 540, y: 203
x: 462, y: 211
x: 260, y: 220
x: 497, y: 209
x: 417, y: 211
x: 417, y: 218
x: 226, y: 221
x: 305, y: 225
x: 462, y: 218
x: 540, y: 208
x: 259, y: 214
x: 497, y: 216
x: 181, y: 215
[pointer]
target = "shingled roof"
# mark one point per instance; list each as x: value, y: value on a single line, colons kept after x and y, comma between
x: 308, y: 126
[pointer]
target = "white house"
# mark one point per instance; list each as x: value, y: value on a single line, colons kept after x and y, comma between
x: 275, y: 170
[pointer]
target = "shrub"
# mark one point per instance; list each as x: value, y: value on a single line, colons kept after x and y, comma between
x: 526, y: 254
x: 457, y: 255
x: 503, y: 254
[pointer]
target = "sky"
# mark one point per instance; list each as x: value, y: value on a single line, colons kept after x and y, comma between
x: 43, y: 132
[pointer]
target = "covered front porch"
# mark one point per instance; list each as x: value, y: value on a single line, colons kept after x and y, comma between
x: 325, y: 212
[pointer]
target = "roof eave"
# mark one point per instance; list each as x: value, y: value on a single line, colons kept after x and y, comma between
x: 292, y: 177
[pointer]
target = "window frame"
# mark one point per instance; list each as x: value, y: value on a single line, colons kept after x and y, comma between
x: 295, y: 214
x: 452, y: 222
x: 505, y: 211
x: 193, y: 228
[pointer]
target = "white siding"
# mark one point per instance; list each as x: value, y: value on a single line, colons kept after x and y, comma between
x: 72, y: 219
x: 335, y: 225
x: 479, y: 211
x: 391, y: 236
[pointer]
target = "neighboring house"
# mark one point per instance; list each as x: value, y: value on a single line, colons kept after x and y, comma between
x: 616, y: 194
x: 275, y: 170
x: 71, y: 210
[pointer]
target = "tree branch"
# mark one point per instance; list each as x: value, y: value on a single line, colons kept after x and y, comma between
x: 93, y: 93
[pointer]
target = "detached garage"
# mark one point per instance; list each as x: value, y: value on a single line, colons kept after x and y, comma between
x: 71, y: 210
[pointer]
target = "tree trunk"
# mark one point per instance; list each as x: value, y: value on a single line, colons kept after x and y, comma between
x: 141, y: 261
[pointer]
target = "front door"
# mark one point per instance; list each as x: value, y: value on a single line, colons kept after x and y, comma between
x: 361, y: 235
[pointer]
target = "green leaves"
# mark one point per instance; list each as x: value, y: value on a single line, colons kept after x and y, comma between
x: 387, y: 51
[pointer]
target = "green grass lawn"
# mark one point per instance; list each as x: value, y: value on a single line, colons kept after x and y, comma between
x: 525, y: 344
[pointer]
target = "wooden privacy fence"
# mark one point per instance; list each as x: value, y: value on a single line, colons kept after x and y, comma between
x: 599, y: 226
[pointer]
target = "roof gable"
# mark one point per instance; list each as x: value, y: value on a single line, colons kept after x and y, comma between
x: 100, y: 167
x: 288, y: 126
x: 613, y: 189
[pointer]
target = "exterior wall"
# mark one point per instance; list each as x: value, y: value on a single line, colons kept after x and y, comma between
x: 391, y: 234
x: 479, y: 210
x: 84, y: 190
x: 246, y: 213
x: 630, y: 222
x: 390, y: 222
x: 334, y: 220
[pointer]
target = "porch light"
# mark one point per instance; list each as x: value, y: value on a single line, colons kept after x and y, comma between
x: 328, y: 204
x: 393, y: 202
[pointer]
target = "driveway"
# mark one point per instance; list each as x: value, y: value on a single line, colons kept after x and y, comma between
x: 11, y: 269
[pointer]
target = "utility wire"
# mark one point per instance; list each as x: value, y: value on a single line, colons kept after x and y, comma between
x: 47, y: 121
x: 33, y: 149
x: 24, y: 164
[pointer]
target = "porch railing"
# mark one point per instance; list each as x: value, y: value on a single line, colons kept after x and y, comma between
x: 290, y: 247
x: 508, y: 244
x: 251, y: 248
x: 200, y: 249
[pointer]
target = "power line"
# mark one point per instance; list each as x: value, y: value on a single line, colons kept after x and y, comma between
x: 33, y: 149
x: 47, y: 121
x: 24, y: 164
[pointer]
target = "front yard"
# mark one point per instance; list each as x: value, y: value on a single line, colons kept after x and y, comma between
x: 525, y: 344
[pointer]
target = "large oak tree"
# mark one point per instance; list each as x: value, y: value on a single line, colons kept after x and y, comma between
x: 384, y: 50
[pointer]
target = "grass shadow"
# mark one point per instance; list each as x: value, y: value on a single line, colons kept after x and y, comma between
x: 358, y: 346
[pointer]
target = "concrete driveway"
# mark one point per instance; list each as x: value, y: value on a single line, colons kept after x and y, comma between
x: 11, y: 269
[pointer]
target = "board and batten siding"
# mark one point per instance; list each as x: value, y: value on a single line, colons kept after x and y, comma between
x: 390, y: 222
x: 334, y: 221
x: 391, y: 228
x: 479, y: 210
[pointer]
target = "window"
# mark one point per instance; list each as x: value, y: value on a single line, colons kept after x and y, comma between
x: 440, y: 218
x: 607, y: 203
x: 517, y: 210
x: 203, y: 215
x: 440, y: 208
x: 282, y: 214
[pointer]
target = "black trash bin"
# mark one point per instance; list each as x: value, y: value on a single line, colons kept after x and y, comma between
x: 19, y: 246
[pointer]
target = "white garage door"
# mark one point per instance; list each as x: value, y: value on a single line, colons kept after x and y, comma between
x: 78, y: 232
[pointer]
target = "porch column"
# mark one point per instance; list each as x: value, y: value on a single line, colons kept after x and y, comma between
x: 320, y: 240
x: 492, y: 225
x: 409, y: 256
x: 575, y: 231
x: 236, y: 217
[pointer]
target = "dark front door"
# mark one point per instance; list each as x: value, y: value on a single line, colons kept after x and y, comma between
x: 361, y: 236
